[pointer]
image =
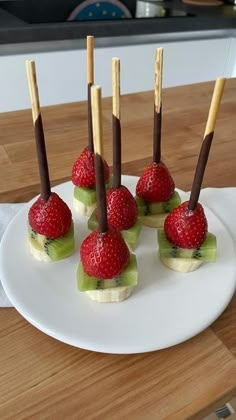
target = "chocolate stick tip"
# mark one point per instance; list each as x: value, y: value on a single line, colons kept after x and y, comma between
x: 157, y: 135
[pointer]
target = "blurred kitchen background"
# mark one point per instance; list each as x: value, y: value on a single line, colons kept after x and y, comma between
x: 198, y: 37
x: 46, y: 11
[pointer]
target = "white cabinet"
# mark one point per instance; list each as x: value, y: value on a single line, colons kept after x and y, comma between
x: 62, y: 74
x: 231, y: 63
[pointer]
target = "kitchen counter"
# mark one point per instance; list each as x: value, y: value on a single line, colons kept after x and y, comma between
x: 14, y: 30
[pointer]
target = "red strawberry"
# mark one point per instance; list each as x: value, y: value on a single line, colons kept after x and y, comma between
x: 186, y: 228
x: 52, y: 218
x: 155, y: 184
x: 83, y: 172
x: 104, y: 255
x: 122, y: 209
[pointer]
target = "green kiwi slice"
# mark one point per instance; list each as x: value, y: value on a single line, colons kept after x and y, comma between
x: 129, y: 277
x: 92, y: 221
x: 87, y: 195
x: 56, y: 249
x: 206, y: 252
x: 142, y: 206
x: 165, y: 206
x: 130, y: 235
x: 159, y: 207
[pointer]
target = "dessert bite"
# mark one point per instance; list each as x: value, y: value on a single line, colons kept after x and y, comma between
x: 50, y: 225
x: 83, y: 171
x: 107, y: 271
x: 155, y: 190
x: 122, y: 209
x: 185, y: 243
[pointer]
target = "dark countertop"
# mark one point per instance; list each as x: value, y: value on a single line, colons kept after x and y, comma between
x: 13, y: 29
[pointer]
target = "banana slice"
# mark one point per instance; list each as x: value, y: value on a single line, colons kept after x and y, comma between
x: 184, y: 265
x: 114, y: 294
x: 82, y: 209
x: 154, y: 220
x: 38, y: 254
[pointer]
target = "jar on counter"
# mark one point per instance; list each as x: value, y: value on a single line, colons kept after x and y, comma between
x: 149, y: 9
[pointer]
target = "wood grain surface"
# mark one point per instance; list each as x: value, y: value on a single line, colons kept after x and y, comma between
x: 42, y: 378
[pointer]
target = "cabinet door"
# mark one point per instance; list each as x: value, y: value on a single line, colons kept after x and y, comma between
x: 185, y: 62
x: 230, y: 69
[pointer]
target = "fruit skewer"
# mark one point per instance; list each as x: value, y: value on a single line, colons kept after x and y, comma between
x: 155, y: 190
x: 50, y: 225
x: 83, y: 171
x: 185, y: 242
x: 122, y: 210
x: 107, y: 271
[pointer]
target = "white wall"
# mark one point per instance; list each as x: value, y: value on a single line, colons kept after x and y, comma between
x: 62, y: 75
x: 231, y: 63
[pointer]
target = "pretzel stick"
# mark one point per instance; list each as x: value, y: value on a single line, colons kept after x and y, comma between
x: 98, y: 150
x: 90, y: 81
x: 157, y: 106
x: 206, y: 144
x: 38, y: 130
x: 116, y: 127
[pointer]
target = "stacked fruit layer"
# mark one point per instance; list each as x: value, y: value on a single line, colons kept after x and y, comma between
x: 128, y: 277
x: 56, y: 249
x: 159, y: 207
x: 206, y: 252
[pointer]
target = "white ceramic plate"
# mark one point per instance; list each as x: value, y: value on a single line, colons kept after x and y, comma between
x: 165, y: 309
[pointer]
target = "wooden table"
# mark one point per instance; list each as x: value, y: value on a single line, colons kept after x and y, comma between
x: 42, y: 378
